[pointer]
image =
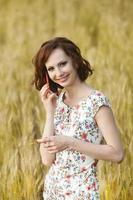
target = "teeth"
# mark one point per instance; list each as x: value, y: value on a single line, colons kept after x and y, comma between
x: 63, y: 78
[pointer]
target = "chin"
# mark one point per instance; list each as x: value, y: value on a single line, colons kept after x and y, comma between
x: 65, y: 83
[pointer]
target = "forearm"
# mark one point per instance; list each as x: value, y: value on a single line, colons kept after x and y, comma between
x: 97, y: 151
x: 47, y: 158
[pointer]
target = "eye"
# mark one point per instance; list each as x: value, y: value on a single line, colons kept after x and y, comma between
x: 62, y: 64
x: 50, y: 69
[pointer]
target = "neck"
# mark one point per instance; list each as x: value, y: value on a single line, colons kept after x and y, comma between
x: 76, y: 90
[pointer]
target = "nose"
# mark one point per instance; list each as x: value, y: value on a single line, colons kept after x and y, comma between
x: 59, y: 72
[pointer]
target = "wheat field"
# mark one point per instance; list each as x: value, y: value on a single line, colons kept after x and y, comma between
x: 103, y: 30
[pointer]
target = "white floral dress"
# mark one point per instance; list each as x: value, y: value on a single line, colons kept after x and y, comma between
x: 73, y: 176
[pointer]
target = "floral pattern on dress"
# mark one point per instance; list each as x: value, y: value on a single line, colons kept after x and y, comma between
x: 73, y: 176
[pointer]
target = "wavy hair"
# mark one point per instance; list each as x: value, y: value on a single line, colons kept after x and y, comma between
x: 72, y: 50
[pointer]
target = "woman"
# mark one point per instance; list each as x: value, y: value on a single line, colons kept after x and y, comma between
x: 77, y: 119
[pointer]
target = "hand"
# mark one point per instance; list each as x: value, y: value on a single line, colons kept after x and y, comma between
x: 48, y: 98
x: 55, y: 143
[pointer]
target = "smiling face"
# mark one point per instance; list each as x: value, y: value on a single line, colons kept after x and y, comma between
x: 60, y: 68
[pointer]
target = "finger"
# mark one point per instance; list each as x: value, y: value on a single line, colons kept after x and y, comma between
x: 43, y: 90
x: 49, y: 94
x: 43, y: 140
x: 39, y: 141
x: 52, y: 148
x: 44, y: 95
x: 52, y: 96
x: 44, y: 86
x: 53, y: 151
x: 47, y: 139
x: 46, y: 145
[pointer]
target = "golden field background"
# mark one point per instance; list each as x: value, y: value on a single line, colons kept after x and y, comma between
x: 104, y: 32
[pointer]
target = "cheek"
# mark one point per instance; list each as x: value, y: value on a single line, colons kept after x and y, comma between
x: 69, y: 67
x: 51, y: 75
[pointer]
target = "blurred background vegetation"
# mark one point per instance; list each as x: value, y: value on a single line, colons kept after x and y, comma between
x: 104, y: 32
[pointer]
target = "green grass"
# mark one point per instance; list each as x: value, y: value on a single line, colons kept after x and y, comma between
x: 104, y: 32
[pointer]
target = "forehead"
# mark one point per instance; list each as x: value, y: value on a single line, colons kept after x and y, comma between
x: 55, y: 57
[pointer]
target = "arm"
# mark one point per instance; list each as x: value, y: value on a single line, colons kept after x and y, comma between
x: 113, y: 150
x: 49, y: 101
x: 47, y: 158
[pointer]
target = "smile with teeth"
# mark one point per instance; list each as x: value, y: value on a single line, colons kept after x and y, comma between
x: 63, y: 78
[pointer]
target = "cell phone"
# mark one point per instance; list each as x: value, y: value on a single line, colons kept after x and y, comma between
x: 52, y: 86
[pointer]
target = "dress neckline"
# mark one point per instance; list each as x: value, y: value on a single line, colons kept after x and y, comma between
x: 77, y: 104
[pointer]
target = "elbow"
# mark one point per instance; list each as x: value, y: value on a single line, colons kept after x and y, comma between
x: 46, y: 163
x: 119, y: 157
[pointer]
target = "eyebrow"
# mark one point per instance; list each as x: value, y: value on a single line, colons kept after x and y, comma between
x: 57, y: 63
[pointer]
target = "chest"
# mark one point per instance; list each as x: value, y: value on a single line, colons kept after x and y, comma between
x: 78, y: 123
x: 79, y: 118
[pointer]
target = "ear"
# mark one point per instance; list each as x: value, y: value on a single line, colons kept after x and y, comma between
x: 76, y: 66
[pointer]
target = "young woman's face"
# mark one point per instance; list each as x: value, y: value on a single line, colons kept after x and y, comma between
x: 60, y: 68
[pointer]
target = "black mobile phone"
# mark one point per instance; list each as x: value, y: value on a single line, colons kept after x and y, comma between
x: 52, y: 86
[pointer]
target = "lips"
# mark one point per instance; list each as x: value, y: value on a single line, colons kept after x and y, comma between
x: 64, y: 78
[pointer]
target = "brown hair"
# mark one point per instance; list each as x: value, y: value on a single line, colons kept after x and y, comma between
x: 82, y: 66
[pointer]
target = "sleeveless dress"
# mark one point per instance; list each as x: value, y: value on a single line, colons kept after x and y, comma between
x: 73, y: 176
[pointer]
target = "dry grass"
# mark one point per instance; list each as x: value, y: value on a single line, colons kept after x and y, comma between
x: 103, y: 30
